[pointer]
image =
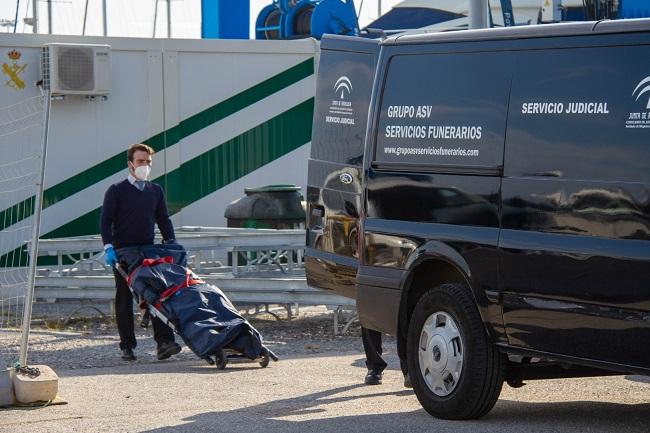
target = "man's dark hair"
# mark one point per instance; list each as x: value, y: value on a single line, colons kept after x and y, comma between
x: 139, y: 146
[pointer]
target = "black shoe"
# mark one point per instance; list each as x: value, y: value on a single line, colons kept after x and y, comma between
x: 407, y: 381
x: 128, y: 355
x: 167, y: 349
x: 373, y: 377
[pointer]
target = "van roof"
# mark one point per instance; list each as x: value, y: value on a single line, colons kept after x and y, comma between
x: 523, y: 32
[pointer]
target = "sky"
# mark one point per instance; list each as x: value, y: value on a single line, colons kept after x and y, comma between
x: 135, y: 17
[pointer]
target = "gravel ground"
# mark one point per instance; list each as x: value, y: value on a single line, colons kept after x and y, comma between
x: 316, y: 388
x: 312, y: 394
x: 79, y: 341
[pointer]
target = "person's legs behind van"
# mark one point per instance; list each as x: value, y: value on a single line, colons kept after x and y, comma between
x: 374, y: 362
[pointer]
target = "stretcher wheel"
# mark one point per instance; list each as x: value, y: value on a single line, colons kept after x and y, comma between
x: 265, y: 358
x: 221, y: 359
x: 269, y: 353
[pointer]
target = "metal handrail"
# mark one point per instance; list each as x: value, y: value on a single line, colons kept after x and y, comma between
x: 267, y: 287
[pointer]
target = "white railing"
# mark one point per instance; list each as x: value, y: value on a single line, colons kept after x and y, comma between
x: 267, y: 267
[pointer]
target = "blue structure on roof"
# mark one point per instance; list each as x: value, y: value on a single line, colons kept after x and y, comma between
x: 225, y: 19
x: 291, y: 19
x: 607, y: 9
x: 634, y: 9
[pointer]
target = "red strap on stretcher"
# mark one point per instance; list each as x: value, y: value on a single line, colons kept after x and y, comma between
x: 189, y: 281
x: 159, y: 260
x: 150, y: 262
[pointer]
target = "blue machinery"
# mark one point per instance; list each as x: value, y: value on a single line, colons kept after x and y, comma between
x: 225, y: 19
x: 610, y: 9
x: 289, y: 19
x: 283, y: 19
x: 594, y: 10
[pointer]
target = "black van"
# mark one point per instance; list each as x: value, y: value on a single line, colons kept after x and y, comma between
x: 485, y: 197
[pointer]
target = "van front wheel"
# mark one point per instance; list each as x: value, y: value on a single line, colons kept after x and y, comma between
x: 456, y: 372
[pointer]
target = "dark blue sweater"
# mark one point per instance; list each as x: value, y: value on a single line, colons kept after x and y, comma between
x: 128, y: 215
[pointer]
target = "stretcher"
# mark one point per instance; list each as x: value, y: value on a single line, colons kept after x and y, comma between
x: 198, y: 312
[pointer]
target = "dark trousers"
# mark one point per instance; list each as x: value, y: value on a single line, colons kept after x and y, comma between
x: 372, y: 346
x: 124, y: 317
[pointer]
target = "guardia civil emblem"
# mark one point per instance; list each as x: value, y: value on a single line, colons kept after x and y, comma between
x: 13, y: 70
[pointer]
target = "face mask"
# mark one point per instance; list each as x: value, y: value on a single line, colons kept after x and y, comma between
x: 142, y: 172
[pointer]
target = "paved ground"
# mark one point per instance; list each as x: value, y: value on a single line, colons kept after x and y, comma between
x: 312, y: 394
x: 314, y: 388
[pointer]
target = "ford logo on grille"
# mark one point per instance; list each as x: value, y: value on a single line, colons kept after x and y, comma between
x: 346, y: 178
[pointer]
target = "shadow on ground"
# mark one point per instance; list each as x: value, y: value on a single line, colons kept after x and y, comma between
x: 508, y: 416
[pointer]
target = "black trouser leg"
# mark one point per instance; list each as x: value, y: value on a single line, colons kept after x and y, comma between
x: 401, y: 352
x: 161, y: 332
x: 403, y: 366
x: 372, y: 346
x: 124, y: 312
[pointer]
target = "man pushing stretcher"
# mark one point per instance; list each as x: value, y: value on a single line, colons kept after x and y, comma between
x: 130, y: 210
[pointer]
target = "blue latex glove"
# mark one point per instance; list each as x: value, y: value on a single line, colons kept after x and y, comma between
x: 110, y: 257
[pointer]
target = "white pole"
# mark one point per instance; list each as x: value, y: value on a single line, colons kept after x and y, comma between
x: 378, y: 8
x: 35, y: 15
x: 36, y: 232
x: 169, y: 18
x: 478, y: 14
x: 105, y: 22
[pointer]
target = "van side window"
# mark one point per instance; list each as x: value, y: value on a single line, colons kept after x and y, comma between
x: 586, y: 117
x: 341, y: 111
x: 444, y: 110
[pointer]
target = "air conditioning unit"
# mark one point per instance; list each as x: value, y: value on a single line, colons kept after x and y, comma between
x: 76, y: 69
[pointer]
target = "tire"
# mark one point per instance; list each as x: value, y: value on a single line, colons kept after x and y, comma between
x: 221, y: 359
x: 458, y: 373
